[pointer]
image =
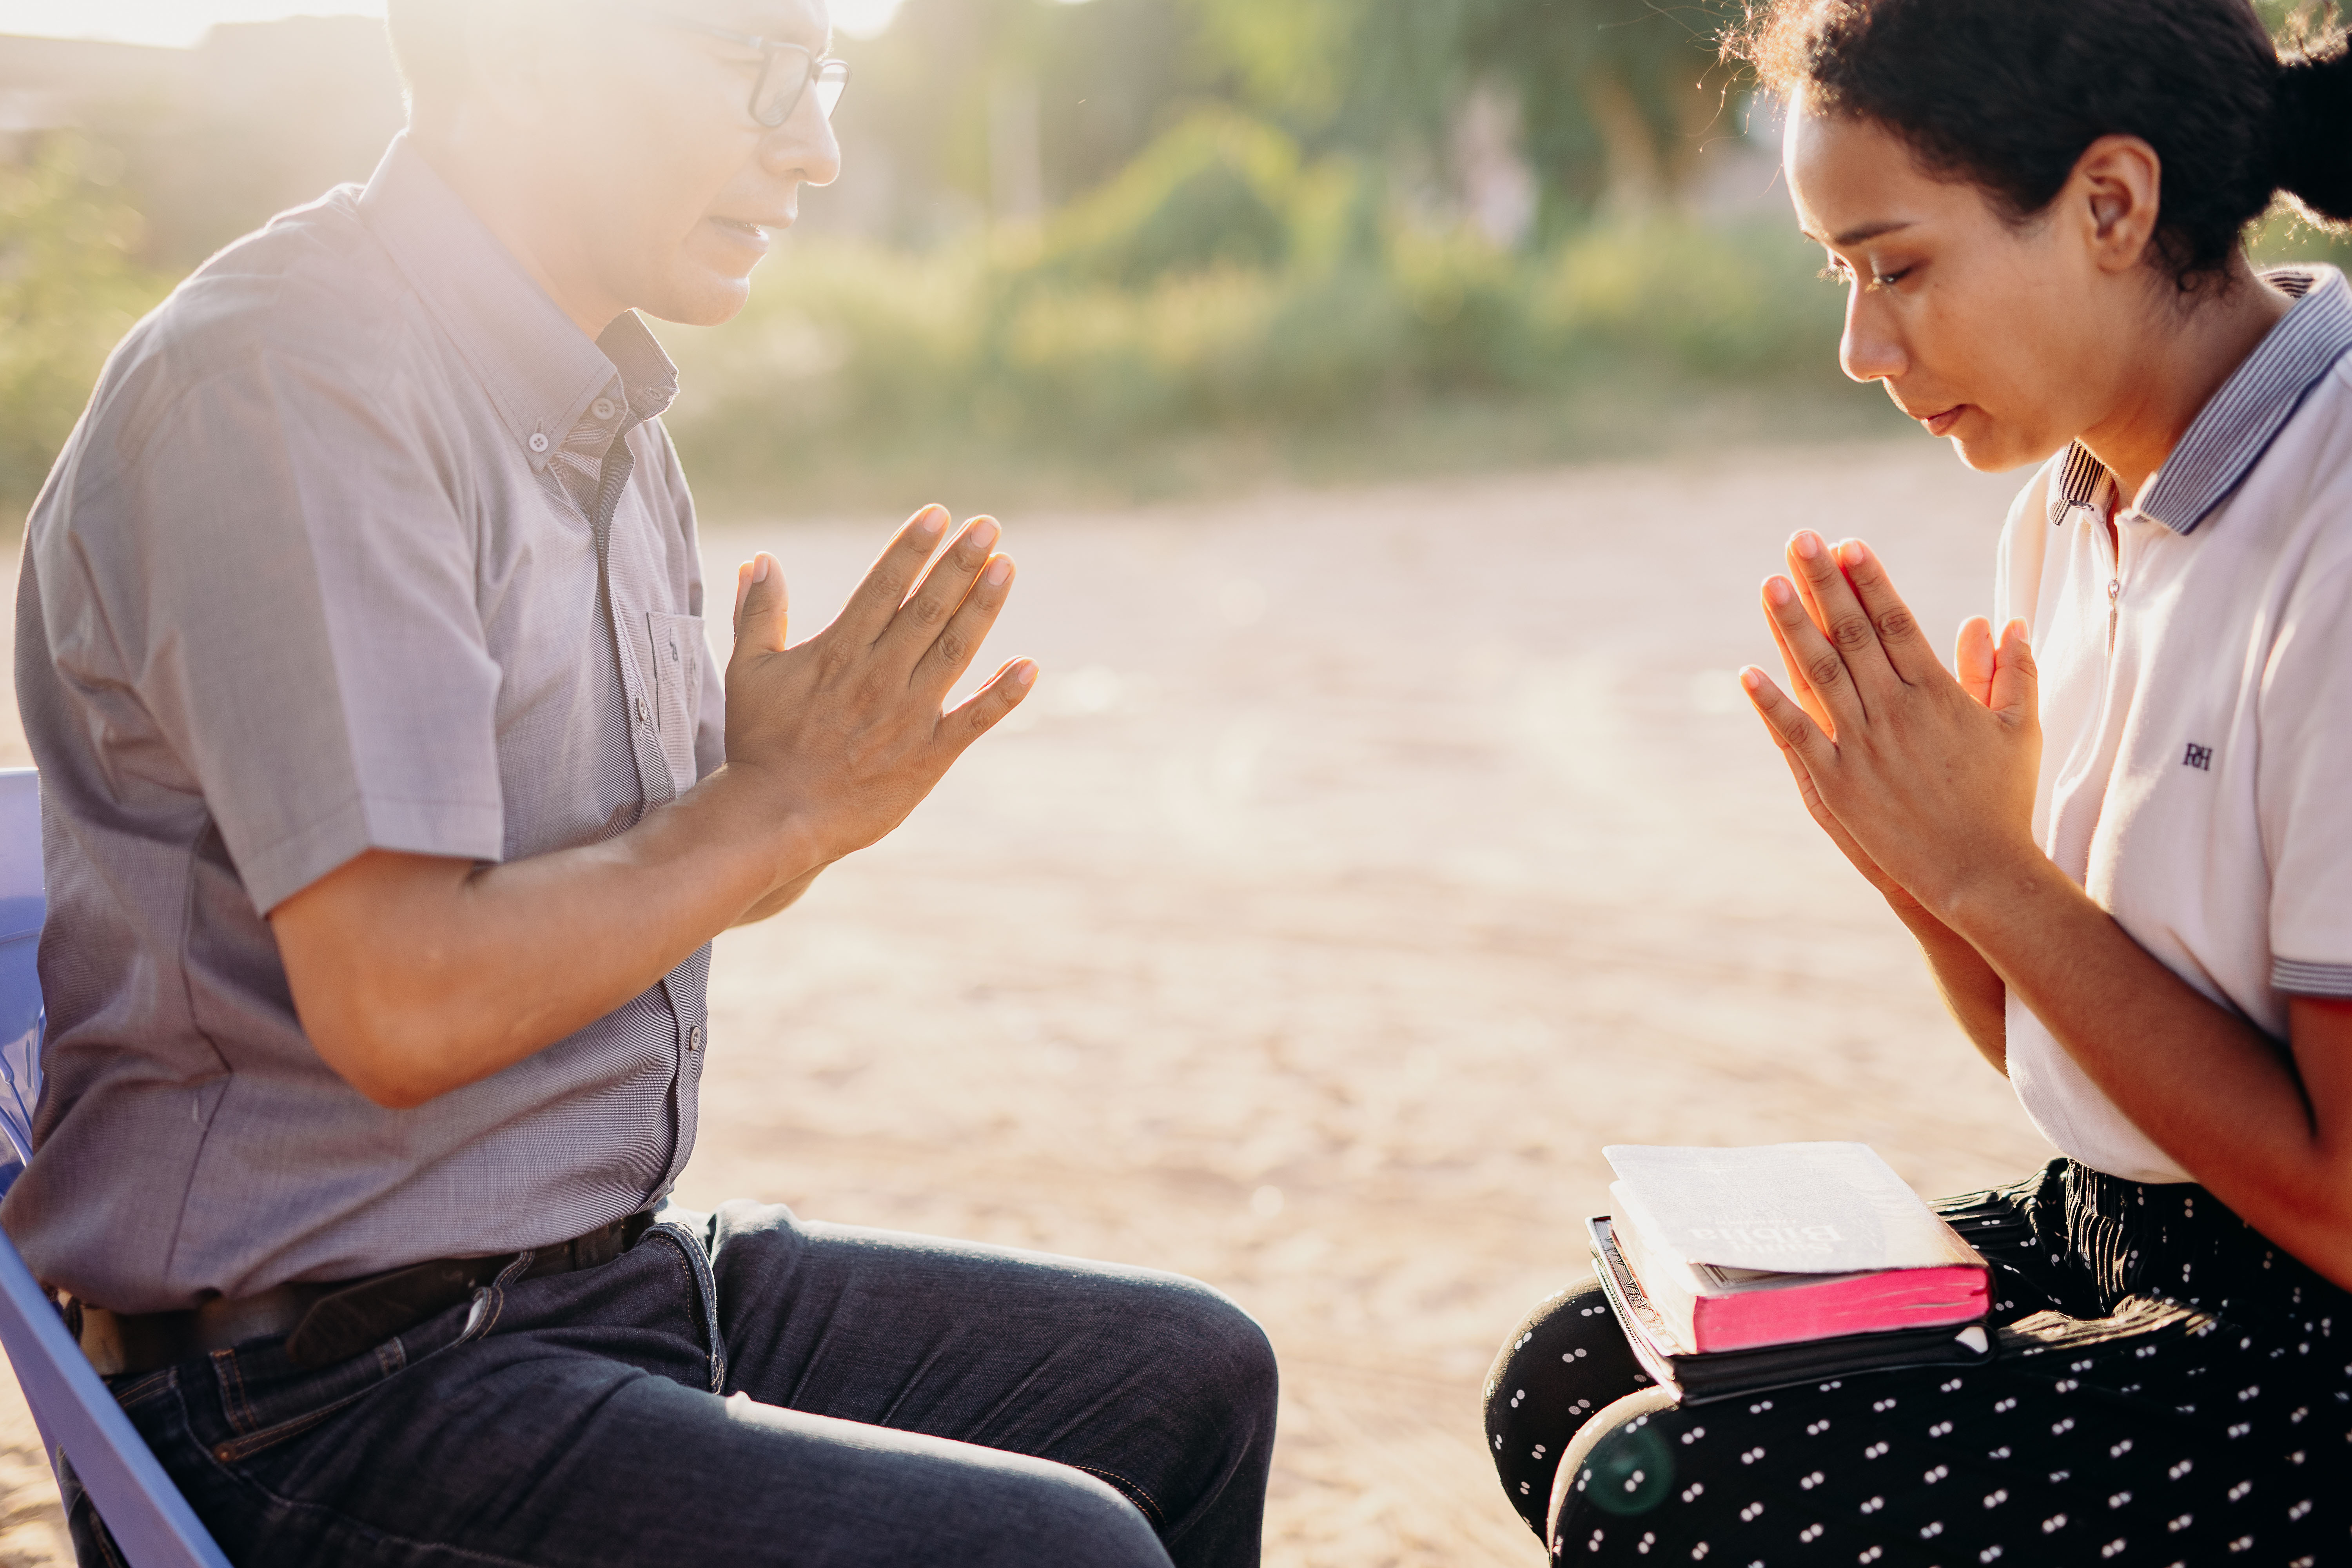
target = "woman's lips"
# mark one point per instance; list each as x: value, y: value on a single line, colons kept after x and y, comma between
x: 1941, y: 424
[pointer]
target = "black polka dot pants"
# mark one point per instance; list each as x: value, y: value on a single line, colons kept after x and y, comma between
x: 2169, y: 1389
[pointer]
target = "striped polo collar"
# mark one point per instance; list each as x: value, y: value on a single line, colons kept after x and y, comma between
x: 2233, y: 430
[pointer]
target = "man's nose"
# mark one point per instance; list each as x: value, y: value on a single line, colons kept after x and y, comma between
x: 802, y: 146
x: 1869, y: 349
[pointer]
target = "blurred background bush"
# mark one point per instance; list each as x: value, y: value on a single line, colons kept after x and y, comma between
x: 1126, y: 247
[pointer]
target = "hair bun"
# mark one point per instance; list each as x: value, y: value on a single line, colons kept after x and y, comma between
x: 2312, y: 130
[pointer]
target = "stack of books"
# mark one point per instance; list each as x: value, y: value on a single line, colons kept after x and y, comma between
x: 1733, y: 1270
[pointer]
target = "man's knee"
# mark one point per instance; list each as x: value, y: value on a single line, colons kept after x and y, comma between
x: 1065, y: 1517
x: 1221, y: 1349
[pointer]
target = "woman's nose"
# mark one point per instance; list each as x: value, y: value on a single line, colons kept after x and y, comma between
x: 1870, y: 349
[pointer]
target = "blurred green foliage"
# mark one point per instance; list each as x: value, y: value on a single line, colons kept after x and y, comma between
x: 1073, y: 240
x: 1224, y: 282
x: 68, y: 291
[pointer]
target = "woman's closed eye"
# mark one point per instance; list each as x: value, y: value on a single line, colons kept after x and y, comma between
x: 1839, y: 271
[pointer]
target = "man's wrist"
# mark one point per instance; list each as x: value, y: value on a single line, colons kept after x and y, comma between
x: 764, y: 824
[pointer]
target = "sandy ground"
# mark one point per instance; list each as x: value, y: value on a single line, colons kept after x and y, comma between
x: 1362, y: 864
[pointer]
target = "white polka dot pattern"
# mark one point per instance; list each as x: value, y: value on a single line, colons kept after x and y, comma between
x: 2169, y: 1391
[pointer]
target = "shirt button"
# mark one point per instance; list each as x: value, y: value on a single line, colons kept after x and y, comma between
x: 644, y: 715
x: 694, y: 1038
x: 602, y: 408
x: 538, y: 442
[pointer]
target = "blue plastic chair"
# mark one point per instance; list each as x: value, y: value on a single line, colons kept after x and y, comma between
x: 80, y: 1420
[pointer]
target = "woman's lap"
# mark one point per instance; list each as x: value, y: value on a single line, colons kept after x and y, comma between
x: 2151, y: 1431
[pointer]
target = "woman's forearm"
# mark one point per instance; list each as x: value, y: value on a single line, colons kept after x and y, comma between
x: 1972, y: 989
x: 2213, y: 1090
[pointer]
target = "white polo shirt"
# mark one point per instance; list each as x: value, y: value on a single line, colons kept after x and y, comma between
x: 2196, y: 704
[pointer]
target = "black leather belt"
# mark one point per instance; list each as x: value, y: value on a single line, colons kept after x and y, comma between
x: 325, y: 1323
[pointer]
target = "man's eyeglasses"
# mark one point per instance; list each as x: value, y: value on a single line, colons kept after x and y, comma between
x: 787, y: 70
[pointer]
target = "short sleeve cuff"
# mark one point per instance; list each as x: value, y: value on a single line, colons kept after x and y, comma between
x: 2299, y: 979
x: 461, y: 830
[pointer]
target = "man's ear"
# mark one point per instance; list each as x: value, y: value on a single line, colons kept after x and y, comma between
x: 2113, y: 195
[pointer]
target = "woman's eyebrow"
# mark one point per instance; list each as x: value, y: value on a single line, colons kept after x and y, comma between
x: 1868, y: 231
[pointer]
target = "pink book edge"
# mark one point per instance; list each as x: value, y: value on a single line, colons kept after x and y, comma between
x: 1854, y: 1304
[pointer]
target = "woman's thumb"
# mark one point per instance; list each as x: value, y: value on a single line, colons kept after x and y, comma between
x: 2014, y: 680
x: 761, y: 605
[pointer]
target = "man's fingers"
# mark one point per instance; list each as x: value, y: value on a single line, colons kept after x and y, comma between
x: 1798, y: 735
x: 761, y: 605
x: 978, y: 714
x: 869, y: 611
x: 923, y: 618
x: 1822, y: 668
x: 1972, y: 658
x: 943, y: 664
x: 1837, y: 613
x: 2014, y: 679
x: 1899, y: 631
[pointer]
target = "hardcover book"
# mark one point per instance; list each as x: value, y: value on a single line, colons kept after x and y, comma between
x: 1740, y: 1249
x: 1695, y: 1378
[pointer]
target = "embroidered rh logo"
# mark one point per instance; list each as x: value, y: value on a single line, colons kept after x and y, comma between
x: 2199, y: 757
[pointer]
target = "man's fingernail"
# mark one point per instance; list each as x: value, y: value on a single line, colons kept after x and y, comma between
x: 1807, y: 543
x: 1779, y: 589
x: 1026, y: 675
x: 984, y: 533
x: 931, y: 519
x: 998, y: 569
x: 1752, y: 679
x: 759, y: 567
x: 1853, y: 552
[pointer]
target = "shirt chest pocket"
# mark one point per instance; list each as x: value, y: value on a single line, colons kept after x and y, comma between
x: 677, y: 651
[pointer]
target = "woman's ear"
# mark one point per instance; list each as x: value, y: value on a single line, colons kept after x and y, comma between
x: 2113, y: 194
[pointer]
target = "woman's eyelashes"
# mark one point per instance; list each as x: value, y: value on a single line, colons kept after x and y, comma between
x: 1839, y: 271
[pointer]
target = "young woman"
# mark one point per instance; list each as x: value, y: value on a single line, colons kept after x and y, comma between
x: 2121, y: 828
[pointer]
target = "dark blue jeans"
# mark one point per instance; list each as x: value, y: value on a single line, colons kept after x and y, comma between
x: 755, y: 1390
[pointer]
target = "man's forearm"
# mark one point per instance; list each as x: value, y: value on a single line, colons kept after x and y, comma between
x: 415, y: 975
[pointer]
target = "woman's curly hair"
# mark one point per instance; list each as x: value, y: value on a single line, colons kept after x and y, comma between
x: 2006, y: 94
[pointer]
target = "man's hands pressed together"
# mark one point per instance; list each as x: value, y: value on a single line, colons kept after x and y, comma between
x: 845, y: 731
x: 405, y: 968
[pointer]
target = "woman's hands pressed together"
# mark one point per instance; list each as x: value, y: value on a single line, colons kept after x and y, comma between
x: 1923, y: 779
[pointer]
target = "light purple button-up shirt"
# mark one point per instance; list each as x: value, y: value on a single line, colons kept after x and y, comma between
x: 320, y: 572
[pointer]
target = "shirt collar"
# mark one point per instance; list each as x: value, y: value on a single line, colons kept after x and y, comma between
x: 543, y: 375
x: 2233, y: 430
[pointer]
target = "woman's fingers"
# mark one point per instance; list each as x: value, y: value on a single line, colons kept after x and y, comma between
x: 1799, y: 687
x: 1972, y: 660
x: 1899, y: 638
x: 1798, y: 736
x: 1838, y: 614
x: 1823, y: 671
x: 2014, y: 679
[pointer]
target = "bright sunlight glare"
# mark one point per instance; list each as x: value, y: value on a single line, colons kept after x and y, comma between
x: 179, y: 23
